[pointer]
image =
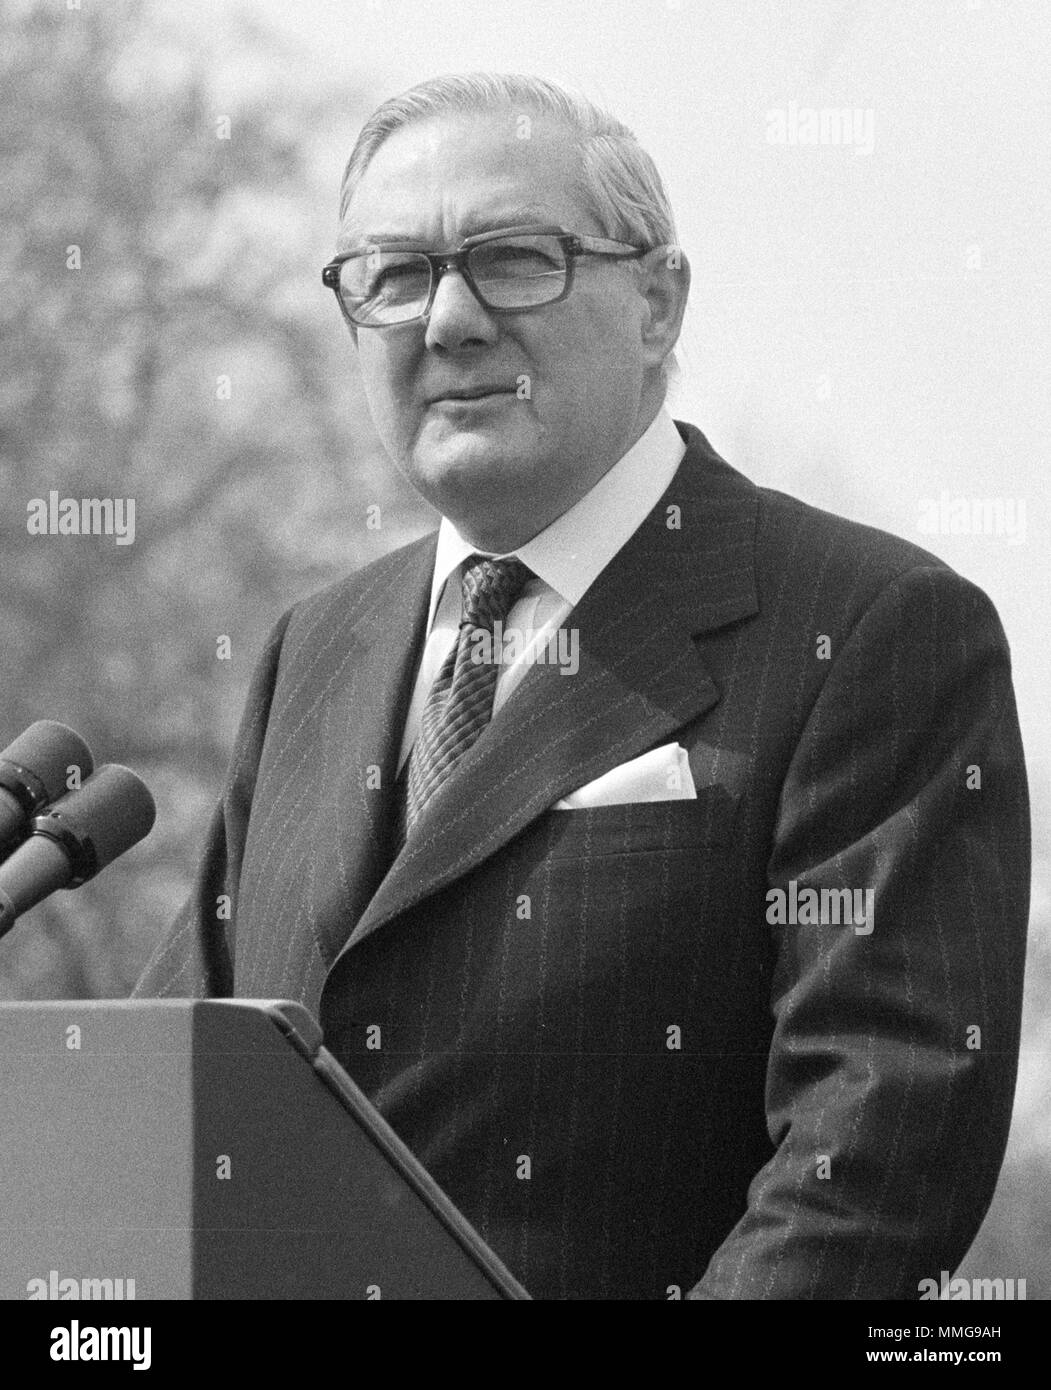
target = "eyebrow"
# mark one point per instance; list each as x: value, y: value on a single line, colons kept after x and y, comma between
x: 511, y: 217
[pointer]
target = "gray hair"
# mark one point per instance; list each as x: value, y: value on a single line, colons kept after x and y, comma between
x: 620, y: 183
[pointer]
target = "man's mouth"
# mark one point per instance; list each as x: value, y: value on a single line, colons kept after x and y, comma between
x: 469, y: 393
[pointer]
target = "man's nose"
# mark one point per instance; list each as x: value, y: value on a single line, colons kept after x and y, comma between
x: 457, y: 320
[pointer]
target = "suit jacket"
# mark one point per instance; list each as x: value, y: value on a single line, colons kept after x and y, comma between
x: 591, y: 1028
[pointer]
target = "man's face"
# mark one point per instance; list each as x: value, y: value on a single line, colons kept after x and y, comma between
x: 569, y: 381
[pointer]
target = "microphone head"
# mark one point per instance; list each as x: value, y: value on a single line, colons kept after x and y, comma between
x: 112, y: 811
x: 47, y: 750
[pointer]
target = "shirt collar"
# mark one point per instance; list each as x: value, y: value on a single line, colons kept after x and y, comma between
x: 571, y: 553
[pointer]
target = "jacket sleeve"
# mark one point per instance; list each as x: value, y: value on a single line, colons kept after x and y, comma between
x: 194, y: 959
x: 892, y: 1066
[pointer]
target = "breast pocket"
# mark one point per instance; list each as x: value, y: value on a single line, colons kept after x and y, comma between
x: 648, y: 827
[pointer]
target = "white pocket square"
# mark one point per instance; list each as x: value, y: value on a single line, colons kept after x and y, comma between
x: 662, y: 774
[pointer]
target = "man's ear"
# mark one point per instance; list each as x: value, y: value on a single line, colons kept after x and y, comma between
x: 665, y: 285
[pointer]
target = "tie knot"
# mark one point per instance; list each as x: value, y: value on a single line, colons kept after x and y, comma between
x: 491, y: 588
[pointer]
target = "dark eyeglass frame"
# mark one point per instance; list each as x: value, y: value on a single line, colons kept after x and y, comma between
x: 573, y: 244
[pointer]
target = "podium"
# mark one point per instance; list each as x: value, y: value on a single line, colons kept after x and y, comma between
x: 210, y: 1149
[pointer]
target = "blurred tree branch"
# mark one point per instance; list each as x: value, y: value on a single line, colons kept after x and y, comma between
x: 199, y: 258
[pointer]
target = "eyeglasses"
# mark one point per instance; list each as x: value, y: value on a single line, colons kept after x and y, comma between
x: 508, y: 271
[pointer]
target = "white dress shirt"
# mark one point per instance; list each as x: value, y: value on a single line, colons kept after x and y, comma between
x: 566, y: 558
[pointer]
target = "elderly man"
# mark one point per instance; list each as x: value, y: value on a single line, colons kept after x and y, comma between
x: 653, y: 847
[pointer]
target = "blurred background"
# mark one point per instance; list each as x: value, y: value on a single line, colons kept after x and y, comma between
x: 869, y: 330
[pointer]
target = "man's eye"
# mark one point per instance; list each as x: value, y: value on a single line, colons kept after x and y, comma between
x: 398, y: 281
x: 515, y: 259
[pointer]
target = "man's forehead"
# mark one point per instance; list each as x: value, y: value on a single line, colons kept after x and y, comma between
x: 471, y: 172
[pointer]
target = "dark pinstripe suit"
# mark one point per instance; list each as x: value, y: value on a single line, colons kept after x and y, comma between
x: 824, y: 1130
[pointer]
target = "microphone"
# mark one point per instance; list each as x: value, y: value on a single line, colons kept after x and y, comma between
x: 75, y: 838
x: 33, y: 772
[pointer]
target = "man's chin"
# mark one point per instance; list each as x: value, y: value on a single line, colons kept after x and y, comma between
x: 466, y: 475
x: 470, y: 455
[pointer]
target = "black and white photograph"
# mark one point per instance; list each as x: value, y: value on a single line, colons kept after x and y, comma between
x: 525, y: 768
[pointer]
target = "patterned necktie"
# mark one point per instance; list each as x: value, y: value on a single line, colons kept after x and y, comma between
x: 460, y: 703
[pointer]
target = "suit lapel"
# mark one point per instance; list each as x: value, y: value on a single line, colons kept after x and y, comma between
x: 364, y: 719
x: 688, y: 569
